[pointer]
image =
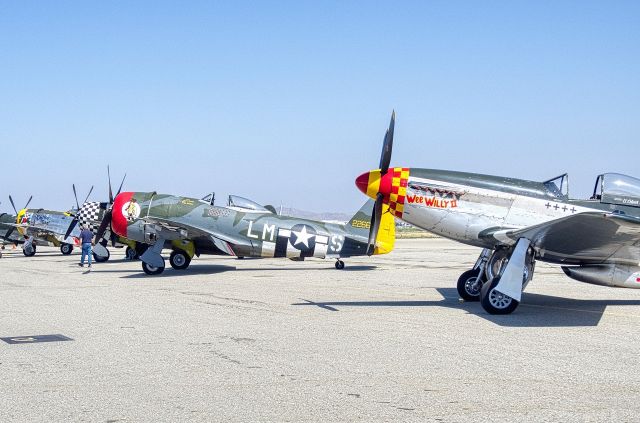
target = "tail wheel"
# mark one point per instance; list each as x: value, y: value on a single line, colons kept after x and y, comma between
x: 179, y: 259
x: 470, y: 284
x: 152, y: 270
x: 66, y: 249
x: 495, y: 302
x: 29, y: 251
x: 339, y: 264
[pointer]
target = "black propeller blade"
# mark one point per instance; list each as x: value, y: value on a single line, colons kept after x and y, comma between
x: 376, y: 217
x: 387, y: 146
x: 75, y: 194
x: 110, y: 191
x: 71, y: 227
x: 87, y: 197
x: 121, y: 183
x: 13, y: 205
x: 28, y: 202
x: 74, y: 222
x: 106, y: 221
x: 9, y: 232
x: 385, y: 161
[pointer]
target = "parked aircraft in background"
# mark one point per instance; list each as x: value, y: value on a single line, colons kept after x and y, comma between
x: 516, y: 222
x: 43, y: 227
x: 8, y: 234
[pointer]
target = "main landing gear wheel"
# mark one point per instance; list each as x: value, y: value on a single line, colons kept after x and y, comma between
x: 131, y: 254
x: 66, y: 249
x: 179, y: 260
x: 469, y: 284
x: 151, y: 270
x: 339, y: 264
x: 29, y: 251
x: 496, y: 263
x: 495, y: 302
x: 101, y: 259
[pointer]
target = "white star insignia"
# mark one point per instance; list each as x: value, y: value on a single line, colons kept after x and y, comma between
x: 302, y: 237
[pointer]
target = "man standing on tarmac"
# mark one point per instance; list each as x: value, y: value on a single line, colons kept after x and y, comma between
x: 86, y: 238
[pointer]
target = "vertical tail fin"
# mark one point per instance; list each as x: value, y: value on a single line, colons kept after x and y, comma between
x: 360, y: 224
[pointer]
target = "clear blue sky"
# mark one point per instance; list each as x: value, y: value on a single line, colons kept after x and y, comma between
x: 287, y: 102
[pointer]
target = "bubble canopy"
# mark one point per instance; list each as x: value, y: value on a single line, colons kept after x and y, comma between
x: 615, y: 188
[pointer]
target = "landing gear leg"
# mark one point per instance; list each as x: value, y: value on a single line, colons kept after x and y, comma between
x: 502, y: 293
x: 339, y: 264
x: 470, y: 282
x: 152, y: 260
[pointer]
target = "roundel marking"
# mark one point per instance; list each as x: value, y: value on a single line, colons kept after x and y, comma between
x: 303, y: 237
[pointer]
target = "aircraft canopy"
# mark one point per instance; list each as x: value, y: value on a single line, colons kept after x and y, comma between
x: 615, y: 188
x: 245, y: 203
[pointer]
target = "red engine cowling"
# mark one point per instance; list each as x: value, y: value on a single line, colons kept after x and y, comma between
x: 125, y: 210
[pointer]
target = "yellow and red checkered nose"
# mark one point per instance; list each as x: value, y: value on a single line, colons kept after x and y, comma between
x: 393, y: 185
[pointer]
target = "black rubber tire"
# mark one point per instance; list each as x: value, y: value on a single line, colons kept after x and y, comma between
x: 179, y: 260
x: 465, y: 283
x: 150, y: 270
x: 66, y: 249
x: 488, y: 298
x: 339, y: 264
x: 131, y: 254
x: 31, y: 252
x: 100, y: 259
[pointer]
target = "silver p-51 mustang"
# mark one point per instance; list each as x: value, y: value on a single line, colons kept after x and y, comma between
x: 517, y: 222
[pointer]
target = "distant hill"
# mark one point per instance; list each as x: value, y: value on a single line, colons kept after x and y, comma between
x: 404, y: 230
x: 304, y: 214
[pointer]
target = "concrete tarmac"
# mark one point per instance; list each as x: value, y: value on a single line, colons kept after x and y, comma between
x: 385, y: 339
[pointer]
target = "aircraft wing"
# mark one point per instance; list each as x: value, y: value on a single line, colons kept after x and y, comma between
x: 583, y: 238
x: 32, y: 228
x: 188, y: 231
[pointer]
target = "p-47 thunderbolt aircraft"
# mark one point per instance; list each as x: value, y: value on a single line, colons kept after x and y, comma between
x: 517, y: 222
x: 243, y: 228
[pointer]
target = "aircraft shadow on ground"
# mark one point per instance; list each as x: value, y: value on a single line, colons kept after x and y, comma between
x: 204, y: 269
x: 536, y: 310
x: 12, y: 254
